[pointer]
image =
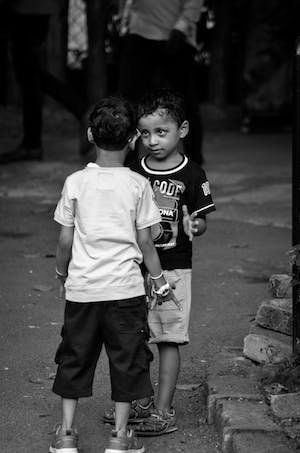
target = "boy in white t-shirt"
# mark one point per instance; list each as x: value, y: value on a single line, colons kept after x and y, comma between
x: 105, y: 211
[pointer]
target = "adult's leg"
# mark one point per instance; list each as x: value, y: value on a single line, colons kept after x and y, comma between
x: 139, y: 65
x: 29, y: 36
x: 180, y: 72
x: 4, y: 54
x: 64, y: 94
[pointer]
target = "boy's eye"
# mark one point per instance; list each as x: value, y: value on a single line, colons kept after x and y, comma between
x: 161, y: 132
x: 144, y: 133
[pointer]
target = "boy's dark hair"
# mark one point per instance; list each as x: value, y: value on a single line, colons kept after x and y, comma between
x: 163, y: 98
x: 112, y: 122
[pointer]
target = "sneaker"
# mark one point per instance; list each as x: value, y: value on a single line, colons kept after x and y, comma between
x: 138, y: 413
x: 126, y: 443
x: 157, y: 423
x: 64, y: 441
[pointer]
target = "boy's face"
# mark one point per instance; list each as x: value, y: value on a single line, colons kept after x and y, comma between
x: 160, y: 134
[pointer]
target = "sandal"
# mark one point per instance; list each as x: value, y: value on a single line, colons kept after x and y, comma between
x: 157, y: 424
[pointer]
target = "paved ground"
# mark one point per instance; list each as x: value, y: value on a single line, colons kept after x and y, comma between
x: 247, y: 240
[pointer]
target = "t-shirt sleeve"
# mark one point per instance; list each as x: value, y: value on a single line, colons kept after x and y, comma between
x: 203, y: 202
x: 65, y: 209
x: 147, y: 211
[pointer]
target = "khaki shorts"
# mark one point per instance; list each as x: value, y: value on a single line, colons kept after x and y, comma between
x: 166, y: 322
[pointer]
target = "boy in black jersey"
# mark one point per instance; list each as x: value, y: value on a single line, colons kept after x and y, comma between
x: 182, y: 193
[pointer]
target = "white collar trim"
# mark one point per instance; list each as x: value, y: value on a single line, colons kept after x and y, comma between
x: 163, y: 172
x: 94, y: 165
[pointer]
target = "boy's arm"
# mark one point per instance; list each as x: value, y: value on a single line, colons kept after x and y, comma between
x: 63, y: 254
x: 193, y: 225
x: 150, y: 255
x: 64, y: 249
x: 152, y: 263
x: 184, y: 28
x: 200, y: 199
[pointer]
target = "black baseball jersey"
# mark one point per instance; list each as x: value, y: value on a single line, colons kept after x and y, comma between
x: 184, y: 184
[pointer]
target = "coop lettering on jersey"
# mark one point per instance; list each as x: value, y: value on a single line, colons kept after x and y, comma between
x: 169, y: 188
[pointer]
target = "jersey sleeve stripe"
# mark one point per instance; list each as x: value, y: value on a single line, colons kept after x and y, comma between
x: 209, y: 207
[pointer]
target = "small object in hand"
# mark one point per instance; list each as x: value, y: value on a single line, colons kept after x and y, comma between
x: 163, y: 291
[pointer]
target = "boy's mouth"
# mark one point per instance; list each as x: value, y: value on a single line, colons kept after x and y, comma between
x: 158, y: 153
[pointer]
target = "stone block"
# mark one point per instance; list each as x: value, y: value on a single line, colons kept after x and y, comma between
x: 286, y: 405
x: 276, y: 314
x: 292, y: 429
x: 264, y: 349
x: 260, y: 442
x: 232, y: 363
x: 242, y: 416
x: 277, y: 336
x: 230, y: 388
x: 231, y: 384
x: 280, y: 285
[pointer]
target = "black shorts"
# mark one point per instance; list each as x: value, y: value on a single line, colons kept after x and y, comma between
x: 121, y: 326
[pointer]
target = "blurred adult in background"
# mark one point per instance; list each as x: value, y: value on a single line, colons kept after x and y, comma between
x: 159, y: 43
x: 27, y: 28
x: 270, y: 32
x: 29, y: 23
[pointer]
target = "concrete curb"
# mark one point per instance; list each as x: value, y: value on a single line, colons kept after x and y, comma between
x: 236, y: 407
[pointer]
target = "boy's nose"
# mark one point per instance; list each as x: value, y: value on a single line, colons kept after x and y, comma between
x: 152, y: 139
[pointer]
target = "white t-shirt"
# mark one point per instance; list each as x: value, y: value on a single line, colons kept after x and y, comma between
x: 106, y: 206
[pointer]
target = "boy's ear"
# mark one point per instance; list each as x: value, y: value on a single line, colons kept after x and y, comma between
x: 90, y: 135
x: 184, y: 129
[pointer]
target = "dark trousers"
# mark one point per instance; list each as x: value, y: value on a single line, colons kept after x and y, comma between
x: 28, y: 36
x: 145, y: 65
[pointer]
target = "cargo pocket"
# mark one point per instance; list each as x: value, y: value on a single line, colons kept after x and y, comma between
x: 144, y: 353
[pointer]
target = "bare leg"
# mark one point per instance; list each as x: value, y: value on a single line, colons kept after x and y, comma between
x: 169, y: 365
x: 122, y: 414
x: 68, y: 412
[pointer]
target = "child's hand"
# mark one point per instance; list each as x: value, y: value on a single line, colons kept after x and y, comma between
x: 171, y: 296
x: 159, y: 300
x: 190, y: 223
